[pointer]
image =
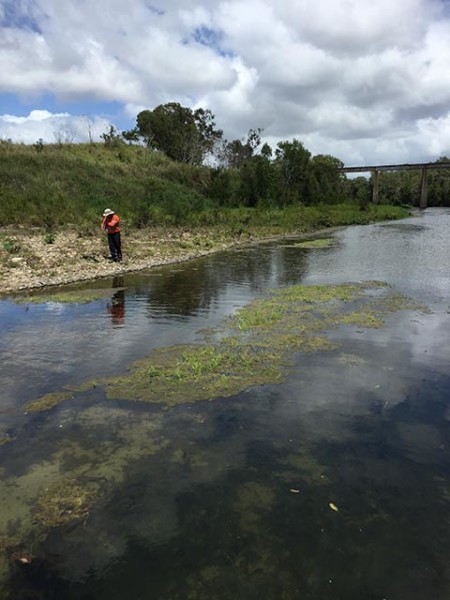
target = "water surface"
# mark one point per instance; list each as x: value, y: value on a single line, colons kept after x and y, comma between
x: 231, y: 498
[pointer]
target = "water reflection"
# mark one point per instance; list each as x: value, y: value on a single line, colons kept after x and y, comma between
x: 183, y: 292
x: 211, y: 513
x: 202, y: 285
x: 117, y: 307
x: 413, y: 255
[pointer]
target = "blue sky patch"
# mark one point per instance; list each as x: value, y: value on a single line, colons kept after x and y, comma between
x: 211, y: 38
x: 20, y: 106
x: 155, y: 10
x: 12, y: 104
x: 16, y: 17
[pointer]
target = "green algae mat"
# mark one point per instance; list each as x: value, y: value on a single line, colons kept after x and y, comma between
x: 254, y: 347
x: 67, y: 297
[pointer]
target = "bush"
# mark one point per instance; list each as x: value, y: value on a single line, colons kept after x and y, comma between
x: 11, y: 245
x: 49, y: 238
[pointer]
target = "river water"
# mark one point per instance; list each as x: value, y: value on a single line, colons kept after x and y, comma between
x: 333, y: 484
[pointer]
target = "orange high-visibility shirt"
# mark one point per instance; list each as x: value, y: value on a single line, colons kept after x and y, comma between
x: 111, y: 224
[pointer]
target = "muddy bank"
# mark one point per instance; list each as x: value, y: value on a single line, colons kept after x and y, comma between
x: 30, y: 259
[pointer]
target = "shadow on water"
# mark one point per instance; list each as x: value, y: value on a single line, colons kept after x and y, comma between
x: 332, y: 485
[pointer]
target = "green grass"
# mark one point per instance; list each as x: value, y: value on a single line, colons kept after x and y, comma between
x: 73, y: 183
x: 69, y: 185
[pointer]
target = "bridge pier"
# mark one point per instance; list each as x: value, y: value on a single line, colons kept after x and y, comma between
x: 375, y: 181
x: 424, y: 189
x: 375, y: 170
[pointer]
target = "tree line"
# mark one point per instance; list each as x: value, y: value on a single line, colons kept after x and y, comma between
x: 246, y: 172
x: 242, y: 172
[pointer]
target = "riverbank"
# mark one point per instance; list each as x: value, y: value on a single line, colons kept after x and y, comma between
x: 32, y: 258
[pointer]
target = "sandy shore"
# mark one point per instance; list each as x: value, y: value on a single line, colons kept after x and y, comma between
x: 28, y: 261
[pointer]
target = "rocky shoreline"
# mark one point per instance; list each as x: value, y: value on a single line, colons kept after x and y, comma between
x: 29, y: 261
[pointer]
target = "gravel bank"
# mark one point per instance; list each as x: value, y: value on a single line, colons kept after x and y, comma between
x: 28, y: 261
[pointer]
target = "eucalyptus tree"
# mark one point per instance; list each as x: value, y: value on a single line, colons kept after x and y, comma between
x: 183, y: 134
x: 233, y: 154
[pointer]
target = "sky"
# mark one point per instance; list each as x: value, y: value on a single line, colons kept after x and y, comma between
x: 367, y: 81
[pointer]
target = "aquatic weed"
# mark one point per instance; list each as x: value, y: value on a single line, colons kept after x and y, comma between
x: 63, y: 502
x: 47, y: 401
x: 317, y: 243
x: 68, y: 297
x: 264, y: 335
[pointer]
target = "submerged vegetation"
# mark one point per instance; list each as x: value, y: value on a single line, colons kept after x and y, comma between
x: 78, y: 472
x: 255, y: 347
x: 48, y: 401
x: 68, y: 297
x: 67, y: 479
x: 63, y: 503
x: 317, y: 243
x: 102, y: 475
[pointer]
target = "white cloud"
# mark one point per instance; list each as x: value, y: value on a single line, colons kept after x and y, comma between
x: 358, y: 27
x: 51, y: 128
x: 360, y: 79
x: 436, y: 135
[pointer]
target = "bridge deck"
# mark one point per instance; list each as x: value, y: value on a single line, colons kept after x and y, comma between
x: 404, y: 167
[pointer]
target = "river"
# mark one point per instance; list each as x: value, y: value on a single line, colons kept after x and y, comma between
x: 332, y: 483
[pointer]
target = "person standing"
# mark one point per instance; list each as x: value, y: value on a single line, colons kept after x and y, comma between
x: 111, y: 224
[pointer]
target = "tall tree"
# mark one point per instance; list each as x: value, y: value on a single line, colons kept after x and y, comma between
x: 326, y: 182
x: 292, y: 161
x: 257, y: 181
x: 233, y: 154
x: 185, y: 135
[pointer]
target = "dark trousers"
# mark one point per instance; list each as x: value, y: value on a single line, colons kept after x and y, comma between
x: 115, y: 246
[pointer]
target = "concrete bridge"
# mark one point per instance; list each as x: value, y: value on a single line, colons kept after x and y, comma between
x: 376, y: 170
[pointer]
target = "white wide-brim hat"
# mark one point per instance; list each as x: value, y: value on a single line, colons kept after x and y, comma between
x: 107, y: 212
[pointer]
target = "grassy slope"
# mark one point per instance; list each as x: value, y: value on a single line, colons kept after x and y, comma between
x: 73, y: 183
x: 55, y: 185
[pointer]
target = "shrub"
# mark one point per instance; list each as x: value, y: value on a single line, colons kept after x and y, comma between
x: 11, y: 245
x: 49, y: 237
